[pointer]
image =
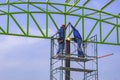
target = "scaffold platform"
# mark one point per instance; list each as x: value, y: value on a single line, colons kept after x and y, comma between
x: 74, y: 58
x: 75, y: 69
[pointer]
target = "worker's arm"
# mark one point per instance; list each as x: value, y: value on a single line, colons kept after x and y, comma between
x: 67, y: 25
x: 54, y: 34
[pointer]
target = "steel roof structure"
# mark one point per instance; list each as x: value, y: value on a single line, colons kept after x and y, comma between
x: 18, y: 16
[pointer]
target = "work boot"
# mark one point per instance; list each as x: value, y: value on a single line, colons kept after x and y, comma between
x: 57, y: 55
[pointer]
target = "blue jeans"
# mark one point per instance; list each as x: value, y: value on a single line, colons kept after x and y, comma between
x: 79, y: 48
x: 60, y: 48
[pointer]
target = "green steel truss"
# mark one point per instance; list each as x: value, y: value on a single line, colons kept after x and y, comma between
x: 18, y: 16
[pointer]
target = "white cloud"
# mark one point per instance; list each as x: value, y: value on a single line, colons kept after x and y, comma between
x: 11, y: 41
x: 23, y: 64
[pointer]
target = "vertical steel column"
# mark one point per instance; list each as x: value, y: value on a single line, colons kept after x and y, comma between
x: 83, y: 23
x: 28, y: 10
x: 8, y: 16
x: 47, y: 18
x: 67, y: 62
x: 117, y: 31
x: 100, y: 24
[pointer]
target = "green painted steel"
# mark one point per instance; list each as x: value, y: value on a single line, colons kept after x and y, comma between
x: 22, y: 14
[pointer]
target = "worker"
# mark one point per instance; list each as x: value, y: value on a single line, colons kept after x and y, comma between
x: 61, y: 40
x: 78, y: 39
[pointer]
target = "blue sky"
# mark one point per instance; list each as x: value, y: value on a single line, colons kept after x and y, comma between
x: 28, y: 58
x: 24, y: 58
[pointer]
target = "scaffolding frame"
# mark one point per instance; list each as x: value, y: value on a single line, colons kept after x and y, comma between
x: 57, y: 66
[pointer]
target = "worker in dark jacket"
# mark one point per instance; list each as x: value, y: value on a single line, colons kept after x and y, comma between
x: 78, y: 39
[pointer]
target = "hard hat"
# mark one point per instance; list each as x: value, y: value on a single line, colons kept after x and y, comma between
x: 63, y: 25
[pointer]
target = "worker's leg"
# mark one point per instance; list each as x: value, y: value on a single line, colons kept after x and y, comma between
x: 61, y: 48
x: 80, y: 53
x: 58, y: 51
x: 79, y: 49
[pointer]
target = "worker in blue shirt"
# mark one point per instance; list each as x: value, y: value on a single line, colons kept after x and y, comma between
x: 61, y: 39
x: 78, y: 39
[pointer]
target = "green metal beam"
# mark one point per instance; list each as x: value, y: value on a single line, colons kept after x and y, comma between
x: 56, y: 8
x: 2, y: 29
x: 108, y: 18
x: 67, y: 1
x: 37, y: 24
x: 68, y: 10
x: 83, y: 24
x: 47, y: 15
x: 62, y: 5
x: 86, y: 2
x: 76, y: 2
x: 117, y: 32
x: 100, y: 24
x: 107, y: 4
x: 27, y: 22
x: 18, y: 24
x: 88, y: 36
x: 108, y: 34
x: 53, y: 21
x: 91, y: 13
x: 8, y: 17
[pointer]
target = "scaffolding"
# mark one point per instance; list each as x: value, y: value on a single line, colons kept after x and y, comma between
x: 86, y: 67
